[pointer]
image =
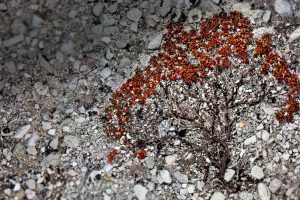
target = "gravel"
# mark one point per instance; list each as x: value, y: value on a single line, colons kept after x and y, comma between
x: 60, y: 64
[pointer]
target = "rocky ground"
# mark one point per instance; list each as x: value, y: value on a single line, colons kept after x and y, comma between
x: 61, y: 60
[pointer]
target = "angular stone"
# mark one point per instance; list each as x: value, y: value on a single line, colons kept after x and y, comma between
x: 12, y: 41
x: 71, y: 141
x: 98, y: 9
x: 275, y: 184
x: 195, y: 15
x: 250, y: 140
x: 284, y: 8
x: 257, y: 172
x: 258, y: 32
x: 182, y: 178
x: 140, y: 192
x: 155, y: 42
x: 217, y: 196
x: 263, y: 191
x: 44, y: 63
x: 295, y: 35
x: 165, y: 8
x: 229, y: 174
x: 165, y: 176
x: 21, y: 131
x: 134, y: 14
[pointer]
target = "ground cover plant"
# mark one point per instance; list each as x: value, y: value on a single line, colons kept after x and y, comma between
x: 197, y: 87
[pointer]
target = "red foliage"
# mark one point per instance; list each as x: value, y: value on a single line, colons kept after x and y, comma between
x: 111, y: 155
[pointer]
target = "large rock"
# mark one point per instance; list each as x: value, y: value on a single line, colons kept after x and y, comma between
x: 295, y: 35
x: 134, y: 14
x: 140, y: 192
x: 284, y: 8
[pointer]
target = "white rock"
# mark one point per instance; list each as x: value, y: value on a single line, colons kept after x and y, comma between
x: 144, y: 59
x: 268, y: 110
x: 41, y: 89
x: 229, y: 174
x: 31, y: 184
x: 263, y: 191
x: 163, y: 127
x: 258, y: 32
x: 46, y: 125
x: 195, y: 15
x: 170, y: 160
x: 217, y: 196
x: 200, y: 185
x: 165, y: 176
x: 191, y: 189
x: 134, y: 14
x: 257, y: 172
x: 189, y: 3
x: 105, y: 73
x: 165, y: 8
x: 275, y: 184
x: 216, y: 1
x: 12, y: 41
x: 250, y: 140
x: 32, y: 140
x: 295, y: 35
x: 265, y: 135
x: 267, y: 16
x: 245, y: 195
x: 244, y: 8
x: 54, y: 143
x: 52, y: 131
x: 182, y: 178
x: 155, y: 42
x: 71, y: 141
x: 284, y: 8
x: 21, y: 131
x: 140, y: 192
x: 107, y: 168
x: 31, y: 151
x: 150, y: 162
x: 98, y: 9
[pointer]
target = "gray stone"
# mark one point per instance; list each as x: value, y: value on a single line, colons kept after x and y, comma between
x: 275, y: 184
x: 182, y: 178
x: 268, y: 110
x: 98, y: 9
x: 71, y: 141
x: 31, y: 184
x: 170, y: 160
x: 229, y: 174
x: 105, y: 73
x: 217, y: 196
x: 195, y: 15
x: 67, y: 48
x: 113, y: 8
x: 134, y: 14
x: 22, y: 131
x: 140, y: 192
x: 124, y: 62
x: 265, y: 135
x: 108, y: 20
x: 3, y: 7
x: 163, y: 127
x: 244, y: 8
x: 267, y: 16
x: 165, y: 8
x: 36, y: 21
x: 31, y: 151
x: 258, y: 32
x: 120, y: 43
x: 191, y: 3
x: 245, y: 195
x: 107, y: 168
x: 257, y: 172
x: 165, y: 176
x: 155, y: 42
x: 263, y: 191
x: 106, y: 40
x: 54, y: 143
x: 295, y: 35
x: 51, y: 131
x: 12, y: 41
x: 250, y: 140
x: 144, y: 59
x: 200, y: 185
x: 134, y: 27
x: 150, y: 162
x: 41, y: 89
x: 52, y: 159
x: 216, y: 1
x: 10, y: 67
x: 18, y: 27
x: 33, y: 140
x: 44, y: 63
x: 284, y: 8
x: 19, y: 150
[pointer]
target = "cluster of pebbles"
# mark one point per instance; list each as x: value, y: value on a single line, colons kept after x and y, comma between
x: 61, y: 60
